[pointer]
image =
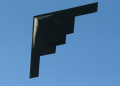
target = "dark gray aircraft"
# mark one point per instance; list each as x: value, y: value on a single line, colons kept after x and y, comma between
x: 50, y: 30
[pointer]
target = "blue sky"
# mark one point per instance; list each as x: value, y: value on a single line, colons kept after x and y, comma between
x: 90, y: 57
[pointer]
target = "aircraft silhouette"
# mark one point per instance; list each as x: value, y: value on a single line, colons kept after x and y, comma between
x: 50, y: 30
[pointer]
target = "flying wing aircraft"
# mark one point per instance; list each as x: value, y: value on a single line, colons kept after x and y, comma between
x: 50, y: 30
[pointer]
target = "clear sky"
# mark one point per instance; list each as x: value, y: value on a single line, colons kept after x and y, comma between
x: 90, y: 57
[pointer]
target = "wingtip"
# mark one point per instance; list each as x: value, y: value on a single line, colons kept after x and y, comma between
x: 30, y: 77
